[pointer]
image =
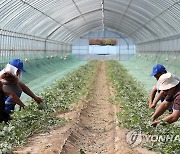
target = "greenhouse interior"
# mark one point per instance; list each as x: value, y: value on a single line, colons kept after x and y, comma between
x: 89, y: 76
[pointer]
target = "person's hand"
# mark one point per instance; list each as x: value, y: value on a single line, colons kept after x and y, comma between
x: 149, y: 105
x: 155, y: 123
x: 153, y: 106
x: 38, y: 99
x: 22, y: 107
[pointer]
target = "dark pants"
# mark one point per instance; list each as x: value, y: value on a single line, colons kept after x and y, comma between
x: 4, y: 116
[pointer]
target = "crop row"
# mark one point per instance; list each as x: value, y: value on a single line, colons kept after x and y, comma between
x: 56, y: 98
x: 133, y: 98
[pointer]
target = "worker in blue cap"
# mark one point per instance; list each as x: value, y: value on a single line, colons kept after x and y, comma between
x: 18, y: 64
x: 157, y: 71
x: 16, y: 68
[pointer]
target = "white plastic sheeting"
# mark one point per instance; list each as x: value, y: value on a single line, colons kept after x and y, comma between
x: 67, y: 20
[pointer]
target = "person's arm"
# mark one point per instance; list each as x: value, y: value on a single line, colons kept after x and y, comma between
x: 160, y: 95
x: 29, y: 92
x: 160, y: 110
x: 16, y: 99
x: 152, y: 96
x: 170, y: 118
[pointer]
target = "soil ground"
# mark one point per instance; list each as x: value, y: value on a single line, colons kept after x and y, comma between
x: 92, y: 128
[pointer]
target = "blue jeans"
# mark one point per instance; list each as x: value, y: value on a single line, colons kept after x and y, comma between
x: 9, y: 108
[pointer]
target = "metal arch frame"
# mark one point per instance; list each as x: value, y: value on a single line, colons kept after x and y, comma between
x: 133, y: 17
x: 73, y: 33
x: 87, y: 23
x: 47, y: 16
x: 62, y: 25
x: 41, y: 13
x: 79, y: 29
x: 173, y: 19
x: 124, y: 14
x: 13, y: 18
x: 71, y: 19
x: 85, y: 14
x: 7, y: 12
x: 152, y: 19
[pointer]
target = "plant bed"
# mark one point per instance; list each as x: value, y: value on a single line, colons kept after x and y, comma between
x: 57, y: 98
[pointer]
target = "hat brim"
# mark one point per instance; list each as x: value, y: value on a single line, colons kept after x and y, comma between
x: 168, y: 86
x: 22, y: 70
x: 152, y: 74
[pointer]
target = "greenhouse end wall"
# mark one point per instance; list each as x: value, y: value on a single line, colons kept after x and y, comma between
x: 123, y: 50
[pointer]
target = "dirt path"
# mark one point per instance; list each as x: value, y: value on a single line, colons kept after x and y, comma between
x: 92, y: 130
x: 95, y: 132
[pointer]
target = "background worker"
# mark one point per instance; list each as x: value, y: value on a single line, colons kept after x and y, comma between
x: 157, y: 71
x: 10, y: 86
x: 16, y: 68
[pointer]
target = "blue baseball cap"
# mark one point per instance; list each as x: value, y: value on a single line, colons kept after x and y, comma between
x: 157, y: 69
x: 18, y: 64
